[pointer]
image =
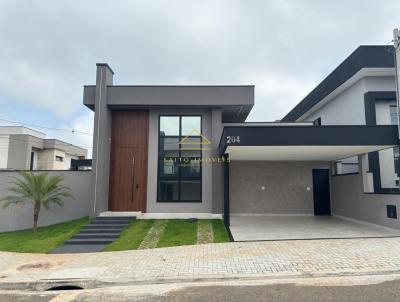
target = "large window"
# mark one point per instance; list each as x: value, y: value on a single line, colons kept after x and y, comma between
x: 179, y: 159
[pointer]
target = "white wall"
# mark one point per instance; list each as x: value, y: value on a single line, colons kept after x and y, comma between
x: 4, y: 144
x: 348, y: 107
x: 345, y: 109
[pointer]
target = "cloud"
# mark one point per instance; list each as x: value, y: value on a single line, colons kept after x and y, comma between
x: 49, y: 48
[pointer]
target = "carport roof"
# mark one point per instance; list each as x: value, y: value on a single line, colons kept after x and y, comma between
x: 304, y: 142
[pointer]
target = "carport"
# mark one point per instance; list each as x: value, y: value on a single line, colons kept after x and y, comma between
x: 277, y: 179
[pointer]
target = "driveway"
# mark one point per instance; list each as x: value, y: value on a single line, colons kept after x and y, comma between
x: 250, y: 228
x: 270, y: 259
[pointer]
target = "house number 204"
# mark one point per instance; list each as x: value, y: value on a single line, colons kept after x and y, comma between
x: 233, y: 139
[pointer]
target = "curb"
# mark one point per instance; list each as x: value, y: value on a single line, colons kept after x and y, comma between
x: 47, y: 284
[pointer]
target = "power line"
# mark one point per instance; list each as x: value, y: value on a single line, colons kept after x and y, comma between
x: 39, y: 140
x: 73, y: 131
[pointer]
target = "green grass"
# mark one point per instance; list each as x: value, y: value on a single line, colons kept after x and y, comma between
x: 131, y: 236
x: 219, y: 231
x: 179, y: 232
x: 45, y: 239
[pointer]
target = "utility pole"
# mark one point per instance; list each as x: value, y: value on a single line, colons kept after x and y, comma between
x: 396, y: 41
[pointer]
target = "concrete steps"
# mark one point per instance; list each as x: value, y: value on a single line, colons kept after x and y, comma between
x: 94, y: 237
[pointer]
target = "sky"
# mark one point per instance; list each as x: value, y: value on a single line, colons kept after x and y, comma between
x: 48, y: 50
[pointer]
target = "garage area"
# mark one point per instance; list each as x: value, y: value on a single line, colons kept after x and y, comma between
x: 253, y: 228
x: 278, y: 181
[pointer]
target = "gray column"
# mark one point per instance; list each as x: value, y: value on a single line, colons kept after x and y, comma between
x: 217, y: 167
x: 101, y: 140
x: 226, y: 212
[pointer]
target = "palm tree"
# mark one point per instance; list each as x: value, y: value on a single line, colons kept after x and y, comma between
x: 38, y: 189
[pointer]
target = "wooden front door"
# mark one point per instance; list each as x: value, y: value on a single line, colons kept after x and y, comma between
x: 128, y: 165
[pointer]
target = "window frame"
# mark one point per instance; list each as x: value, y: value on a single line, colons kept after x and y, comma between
x: 179, y: 177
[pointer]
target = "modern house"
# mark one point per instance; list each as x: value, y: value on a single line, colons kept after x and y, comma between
x: 187, y: 150
x: 22, y: 148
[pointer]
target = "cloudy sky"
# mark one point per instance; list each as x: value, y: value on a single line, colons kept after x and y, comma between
x: 48, y: 50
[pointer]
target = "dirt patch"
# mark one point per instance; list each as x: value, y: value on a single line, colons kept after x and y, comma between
x: 36, y: 265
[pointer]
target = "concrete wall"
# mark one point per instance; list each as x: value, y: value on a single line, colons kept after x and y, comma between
x: 207, y: 184
x: 288, y: 187
x: 21, y: 217
x: 349, y: 200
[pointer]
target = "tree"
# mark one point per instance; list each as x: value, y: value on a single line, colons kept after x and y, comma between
x: 38, y: 189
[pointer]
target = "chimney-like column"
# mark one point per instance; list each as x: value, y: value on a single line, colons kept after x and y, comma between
x: 101, y: 140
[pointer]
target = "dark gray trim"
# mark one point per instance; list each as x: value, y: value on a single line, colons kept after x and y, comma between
x: 350, y: 135
x: 379, y: 56
x: 345, y: 174
x: 370, y: 99
x: 226, y: 209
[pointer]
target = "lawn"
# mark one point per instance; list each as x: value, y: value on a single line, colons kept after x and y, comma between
x: 45, y: 239
x: 131, y: 236
x: 145, y: 233
x: 178, y: 232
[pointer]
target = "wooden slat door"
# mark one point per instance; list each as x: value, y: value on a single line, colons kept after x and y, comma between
x: 128, y: 165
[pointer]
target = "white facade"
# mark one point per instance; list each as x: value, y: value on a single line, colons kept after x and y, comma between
x: 347, y: 108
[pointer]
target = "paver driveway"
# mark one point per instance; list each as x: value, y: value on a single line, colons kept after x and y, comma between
x: 249, y: 259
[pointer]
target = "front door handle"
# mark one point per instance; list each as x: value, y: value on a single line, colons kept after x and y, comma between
x: 133, y: 175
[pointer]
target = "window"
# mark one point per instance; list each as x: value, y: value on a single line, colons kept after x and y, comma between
x: 317, y: 122
x: 59, y: 158
x: 31, y: 164
x: 179, y: 159
x: 393, y: 114
x: 346, y: 166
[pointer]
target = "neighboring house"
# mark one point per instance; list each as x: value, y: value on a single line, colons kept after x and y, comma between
x: 187, y: 149
x: 22, y: 148
x: 360, y: 91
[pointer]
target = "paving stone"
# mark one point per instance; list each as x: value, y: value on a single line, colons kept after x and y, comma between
x: 235, y: 259
x: 150, y: 241
x: 204, y: 232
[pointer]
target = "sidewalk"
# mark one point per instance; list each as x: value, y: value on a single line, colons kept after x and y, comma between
x: 274, y: 259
